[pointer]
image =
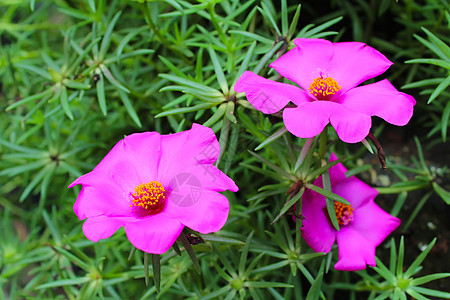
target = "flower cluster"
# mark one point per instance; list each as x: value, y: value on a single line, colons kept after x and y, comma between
x: 154, y: 185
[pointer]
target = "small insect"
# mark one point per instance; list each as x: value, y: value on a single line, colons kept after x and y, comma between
x: 95, y: 79
x: 194, y: 240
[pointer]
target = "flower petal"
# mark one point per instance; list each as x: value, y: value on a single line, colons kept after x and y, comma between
x: 305, y: 63
x: 381, y: 99
x: 203, y: 210
x: 267, y: 95
x: 350, y: 126
x: 355, y: 191
x: 337, y: 172
x: 136, y: 154
x: 143, y: 151
x: 106, y: 189
x: 305, y: 121
x: 309, y: 119
x: 373, y: 222
x: 107, y: 199
x: 317, y: 230
x: 100, y: 227
x: 355, y: 62
x: 184, y: 150
x: 154, y: 234
x: 355, y: 250
x: 211, y: 178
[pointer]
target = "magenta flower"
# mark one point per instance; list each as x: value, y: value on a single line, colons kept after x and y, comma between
x: 363, y: 225
x: 328, y: 74
x: 154, y: 185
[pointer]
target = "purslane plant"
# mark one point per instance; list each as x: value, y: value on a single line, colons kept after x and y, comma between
x: 65, y: 65
x: 328, y: 75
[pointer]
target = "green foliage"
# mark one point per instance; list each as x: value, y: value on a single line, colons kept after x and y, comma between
x: 77, y: 76
x: 395, y: 281
x: 442, y: 50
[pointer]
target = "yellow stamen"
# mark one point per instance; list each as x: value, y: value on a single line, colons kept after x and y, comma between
x: 323, y: 88
x: 148, y: 199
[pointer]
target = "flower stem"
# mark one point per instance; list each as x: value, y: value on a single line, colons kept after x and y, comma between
x: 380, y: 151
x: 223, y: 140
x: 326, y: 177
x: 219, y: 29
x: 323, y: 139
x: 298, y: 226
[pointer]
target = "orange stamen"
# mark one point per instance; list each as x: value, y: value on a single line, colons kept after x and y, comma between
x: 344, y: 213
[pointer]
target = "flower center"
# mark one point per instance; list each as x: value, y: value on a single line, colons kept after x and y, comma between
x: 323, y: 88
x: 148, y: 199
x: 344, y: 213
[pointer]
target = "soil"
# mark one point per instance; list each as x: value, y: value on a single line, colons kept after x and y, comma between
x: 433, y: 219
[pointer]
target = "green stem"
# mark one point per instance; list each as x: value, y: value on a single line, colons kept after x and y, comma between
x: 222, y: 35
x: 161, y: 37
x: 152, y: 25
x: 323, y: 139
x: 298, y: 226
x: 223, y: 140
x: 323, y: 145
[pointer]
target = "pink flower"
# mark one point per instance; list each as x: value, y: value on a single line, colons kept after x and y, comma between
x: 363, y: 225
x: 154, y: 185
x: 328, y: 74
